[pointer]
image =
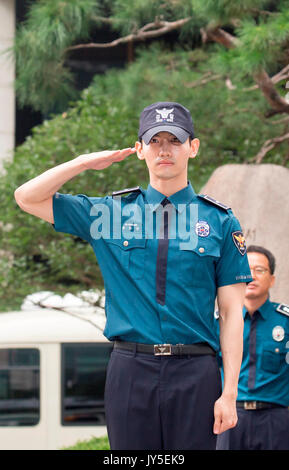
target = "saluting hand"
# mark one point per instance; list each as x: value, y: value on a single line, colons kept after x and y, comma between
x: 100, y: 160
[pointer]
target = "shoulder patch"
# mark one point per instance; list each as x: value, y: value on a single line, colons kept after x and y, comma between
x: 125, y: 191
x: 239, y: 241
x: 283, y: 308
x: 214, y: 201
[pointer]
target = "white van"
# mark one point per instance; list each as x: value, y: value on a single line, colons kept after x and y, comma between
x: 52, y: 375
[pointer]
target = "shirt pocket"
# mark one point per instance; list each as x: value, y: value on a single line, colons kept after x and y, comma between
x: 273, y: 357
x: 197, y: 265
x: 129, y: 255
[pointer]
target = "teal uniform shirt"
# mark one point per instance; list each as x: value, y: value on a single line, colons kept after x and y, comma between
x: 206, y: 250
x: 264, y: 374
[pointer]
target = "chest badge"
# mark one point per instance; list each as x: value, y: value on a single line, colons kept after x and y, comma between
x: 278, y: 333
x: 202, y: 228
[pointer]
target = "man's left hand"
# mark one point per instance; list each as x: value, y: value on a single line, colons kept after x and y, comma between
x: 225, y: 414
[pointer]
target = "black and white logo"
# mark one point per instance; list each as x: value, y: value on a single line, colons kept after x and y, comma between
x: 165, y: 115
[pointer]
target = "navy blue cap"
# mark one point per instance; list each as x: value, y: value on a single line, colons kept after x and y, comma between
x: 165, y: 116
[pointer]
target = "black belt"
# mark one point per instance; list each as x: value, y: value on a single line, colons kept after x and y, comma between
x: 257, y: 405
x: 166, y: 349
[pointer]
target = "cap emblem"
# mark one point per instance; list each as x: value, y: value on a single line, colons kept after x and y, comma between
x: 164, y: 115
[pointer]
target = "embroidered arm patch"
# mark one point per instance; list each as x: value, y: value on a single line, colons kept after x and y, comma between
x: 239, y: 241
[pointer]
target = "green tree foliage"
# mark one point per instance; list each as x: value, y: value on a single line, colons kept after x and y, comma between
x: 262, y: 43
x: 51, y: 26
x: 96, y: 443
x: 258, y: 30
x: 128, y: 17
x: 221, y: 12
x: 42, y: 41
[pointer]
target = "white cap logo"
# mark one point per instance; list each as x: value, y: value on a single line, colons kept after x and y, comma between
x: 164, y: 115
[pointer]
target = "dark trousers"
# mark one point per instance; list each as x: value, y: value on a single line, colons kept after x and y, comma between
x: 161, y: 402
x: 266, y: 429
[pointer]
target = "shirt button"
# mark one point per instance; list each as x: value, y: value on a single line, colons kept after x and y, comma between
x: 201, y: 250
x: 277, y: 350
x: 125, y: 243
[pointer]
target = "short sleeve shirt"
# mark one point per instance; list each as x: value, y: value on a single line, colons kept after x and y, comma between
x: 264, y: 374
x: 205, y: 251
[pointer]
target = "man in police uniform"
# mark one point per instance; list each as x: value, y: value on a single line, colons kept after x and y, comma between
x: 165, y: 253
x: 263, y: 390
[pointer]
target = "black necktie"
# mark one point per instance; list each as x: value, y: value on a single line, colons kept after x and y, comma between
x: 162, y: 257
x: 252, y: 351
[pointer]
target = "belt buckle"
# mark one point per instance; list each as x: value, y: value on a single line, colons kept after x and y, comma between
x: 250, y: 405
x: 162, y: 349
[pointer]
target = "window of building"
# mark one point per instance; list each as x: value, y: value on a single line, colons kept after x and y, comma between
x: 19, y: 387
x: 83, y: 380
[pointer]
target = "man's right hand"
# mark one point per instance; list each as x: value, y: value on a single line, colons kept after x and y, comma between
x: 101, y: 160
x: 36, y: 196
